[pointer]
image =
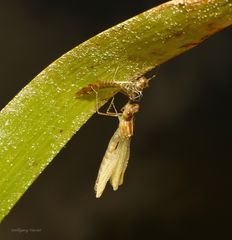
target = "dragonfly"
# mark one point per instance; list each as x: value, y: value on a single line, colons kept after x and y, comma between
x: 132, y: 89
x: 115, y: 160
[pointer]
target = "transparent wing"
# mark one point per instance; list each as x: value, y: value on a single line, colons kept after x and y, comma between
x: 125, y: 163
x: 108, y: 163
x: 123, y: 154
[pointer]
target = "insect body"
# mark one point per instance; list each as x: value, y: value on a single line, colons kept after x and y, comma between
x: 115, y: 160
x: 133, y: 89
x: 114, y: 163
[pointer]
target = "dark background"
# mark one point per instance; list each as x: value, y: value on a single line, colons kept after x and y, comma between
x: 178, y: 182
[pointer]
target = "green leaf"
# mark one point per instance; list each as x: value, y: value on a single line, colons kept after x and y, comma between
x: 41, y: 119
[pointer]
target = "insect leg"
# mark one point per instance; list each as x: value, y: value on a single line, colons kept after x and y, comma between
x: 108, y: 113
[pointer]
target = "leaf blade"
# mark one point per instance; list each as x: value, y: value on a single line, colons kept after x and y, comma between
x: 41, y: 119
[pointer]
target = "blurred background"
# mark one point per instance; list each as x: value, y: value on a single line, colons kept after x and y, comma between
x: 178, y: 182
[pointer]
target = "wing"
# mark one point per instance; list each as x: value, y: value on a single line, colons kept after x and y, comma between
x: 125, y: 163
x: 108, y: 163
x: 123, y: 154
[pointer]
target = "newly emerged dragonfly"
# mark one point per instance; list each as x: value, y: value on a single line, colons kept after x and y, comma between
x: 114, y: 163
x: 115, y: 160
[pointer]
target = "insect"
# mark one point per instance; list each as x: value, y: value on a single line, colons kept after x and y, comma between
x: 133, y: 89
x: 115, y: 161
